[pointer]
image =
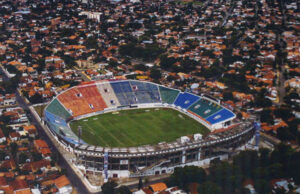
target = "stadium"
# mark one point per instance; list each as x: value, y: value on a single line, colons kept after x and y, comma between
x: 132, y: 128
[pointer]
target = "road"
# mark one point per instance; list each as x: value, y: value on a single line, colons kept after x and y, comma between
x: 280, y: 70
x: 228, y: 13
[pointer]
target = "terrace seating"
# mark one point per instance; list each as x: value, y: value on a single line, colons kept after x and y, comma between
x: 184, y: 100
x: 124, y: 92
x: 59, y: 125
x: 196, y: 115
x: 205, y: 108
x: 73, y: 101
x: 57, y: 109
x: 219, y: 116
x: 55, y: 119
x: 108, y: 94
x: 145, y: 92
x: 168, y: 95
x: 93, y: 97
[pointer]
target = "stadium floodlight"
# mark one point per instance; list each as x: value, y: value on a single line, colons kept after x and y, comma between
x: 79, y: 133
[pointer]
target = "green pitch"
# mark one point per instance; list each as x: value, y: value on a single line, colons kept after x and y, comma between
x: 137, y: 127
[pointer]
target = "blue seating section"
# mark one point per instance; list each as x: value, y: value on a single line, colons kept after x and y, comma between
x: 145, y: 92
x: 184, y: 100
x: 222, y: 115
x: 59, y: 126
x: 124, y: 92
x: 55, y: 119
x: 205, y: 108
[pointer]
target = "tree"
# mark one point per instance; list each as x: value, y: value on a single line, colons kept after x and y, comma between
x: 22, y: 158
x: 264, y: 157
x: 284, y: 134
x: 266, y: 116
x: 36, y: 156
x: 123, y: 190
x: 155, y: 74
x: 247, y: 161
x: 227, y: 95
x: 13, y: 148
x: 283, y: 113
x: 2, y: 155
x: 140, y: 67
x: 209, y: 188
x: 109, y: 187
x: 113, y: 63
x: 275, y: 171
x: 182, y: 177
x: 262, y: 186
x: 166, y: 62
x: 36, y: 98
x: 140, y: 184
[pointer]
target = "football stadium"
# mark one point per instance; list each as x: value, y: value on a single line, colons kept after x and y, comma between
x: 129, y: 128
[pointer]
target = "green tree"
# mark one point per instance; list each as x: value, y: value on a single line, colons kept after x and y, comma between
x: 36, y: 98
x: 109, y: 187
x: 182, y: 177
x: 123, y: 190
x: 140, y: 186
x: 209, y: 188
x: 155, y: 74
x: 14, y: 148
x: 22, y: 158
x: 262, y: 186
x: 36, y: 156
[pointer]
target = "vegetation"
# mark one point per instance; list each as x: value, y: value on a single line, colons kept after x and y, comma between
x: 147, y: 53
x: 227, y: 177
x: 111, y: 188
x: 136, y: 127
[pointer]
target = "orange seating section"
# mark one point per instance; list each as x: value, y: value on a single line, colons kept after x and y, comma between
x: 79, y: 99
x: 92, y: 96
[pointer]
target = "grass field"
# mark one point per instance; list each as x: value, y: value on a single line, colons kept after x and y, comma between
x: 137, y: 127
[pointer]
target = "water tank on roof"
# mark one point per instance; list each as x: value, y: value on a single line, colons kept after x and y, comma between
x: 197, y: 136
x: 194, y: 86
x: 184, y: 139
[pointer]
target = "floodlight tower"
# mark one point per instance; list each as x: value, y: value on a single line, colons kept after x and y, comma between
x: 79, y: 133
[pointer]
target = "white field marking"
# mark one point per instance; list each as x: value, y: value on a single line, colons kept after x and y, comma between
x: 85, y: 120
x: 115, y: 113
x: 147, y: 110
x: 92, y: 132
x: 157, y: 109
x: 95, y: 118
x: 180, y: 116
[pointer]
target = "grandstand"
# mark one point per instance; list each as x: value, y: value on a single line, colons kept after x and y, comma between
x: 222, y: 115
x: 204, y: 108
x: 108, y: 94
x: 74, y: 102
x: 184, y: 100
x: 88, y: 102
x: 99, y: 97
x: 145, y: 92
x: 54, y: 119
x: 57, y: 109
x: 168, y: 95
x: 124, y: 92
x: 92, y: 96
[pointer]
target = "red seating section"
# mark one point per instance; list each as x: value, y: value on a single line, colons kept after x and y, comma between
x: 79, y: 99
